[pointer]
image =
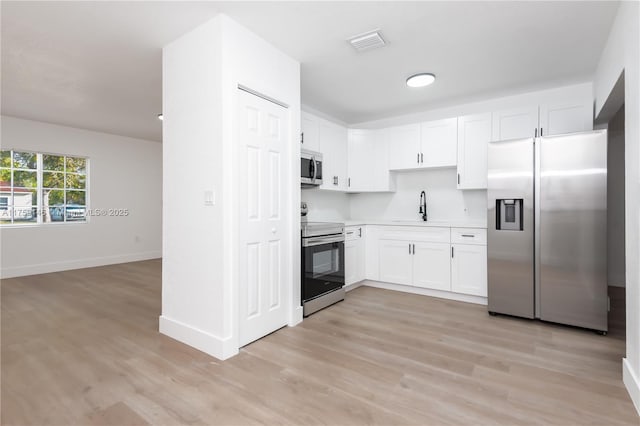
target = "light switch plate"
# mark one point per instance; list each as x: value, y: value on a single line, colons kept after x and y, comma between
x: 209, y: 198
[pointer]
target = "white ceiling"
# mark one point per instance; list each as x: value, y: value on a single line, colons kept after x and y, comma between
x: 97, y: 65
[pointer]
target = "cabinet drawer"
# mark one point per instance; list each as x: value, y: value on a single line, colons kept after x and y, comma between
x: 352, y: 233
x: 469, y: 236
x: 415, y: 234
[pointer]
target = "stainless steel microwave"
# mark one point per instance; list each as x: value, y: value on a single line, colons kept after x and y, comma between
x: 310, y: 168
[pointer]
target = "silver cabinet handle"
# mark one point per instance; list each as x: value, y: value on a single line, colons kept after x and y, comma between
x: 409, y: 248
x: 418, y: 157
x: 421, y: 157
x: 468, y: 235
x: 414, y: 248
x: 458, y: 178
x: 451, y: 251
x: 359, y: 232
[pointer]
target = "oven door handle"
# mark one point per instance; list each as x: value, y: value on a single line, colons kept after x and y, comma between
x: 326, y: 239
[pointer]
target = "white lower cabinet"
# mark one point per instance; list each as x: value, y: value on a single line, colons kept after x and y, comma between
x: 420, y: 264
x: 396, y: 261
x: 469, y: 269
x: 354, y: 255
x: 431, y: 266
x: 434, y: 258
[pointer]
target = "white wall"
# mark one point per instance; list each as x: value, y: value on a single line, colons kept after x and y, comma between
x: 444, y: 201
x: 123, y: 173
x: 326, y: 206
x: 615, y: 201
x: 201, y: 74
x: 193, y: 267
x: 622, y: 53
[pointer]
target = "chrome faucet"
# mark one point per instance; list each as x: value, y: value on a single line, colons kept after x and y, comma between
x: 423, y: 205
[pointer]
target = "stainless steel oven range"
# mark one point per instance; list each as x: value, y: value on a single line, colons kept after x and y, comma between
x: 322, y: 265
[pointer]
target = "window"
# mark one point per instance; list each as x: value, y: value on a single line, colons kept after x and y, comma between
x: 42, y: 188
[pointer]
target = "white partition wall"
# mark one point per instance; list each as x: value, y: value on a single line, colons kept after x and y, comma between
x: 202, y: 71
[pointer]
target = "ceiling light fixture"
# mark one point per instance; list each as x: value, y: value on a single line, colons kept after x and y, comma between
x: 421, y: 80
x: 160, y: 117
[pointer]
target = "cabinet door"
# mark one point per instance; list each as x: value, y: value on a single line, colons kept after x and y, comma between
x: 395, y: 261
x: 360, y: 273
x: 560, y: 118
x: 474, y: 134
x: 309, y: 137
x: 357, y: 164
x: 469, y: 269
x: 368, y: 161
x: 350, y: 262
x: 431, y: 266
x: 378, y: 162
x: 404, y: 147
x: 333, y: 145
x: 515, y: 123
x: 439, y: 143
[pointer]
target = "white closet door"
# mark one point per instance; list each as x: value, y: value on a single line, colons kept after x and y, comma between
x: 263, y: 207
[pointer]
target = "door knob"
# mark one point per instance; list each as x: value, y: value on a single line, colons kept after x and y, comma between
x: 274, y: 230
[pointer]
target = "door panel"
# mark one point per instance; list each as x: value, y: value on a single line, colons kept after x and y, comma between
x: 310, y: 132
x: 431, y: 266
x: 511, y: 252
x: 439, y: 143
x: 563, y: 118
x: 515, y: 124
x: 573, y: 233
x: 474, y: 134
x: 469, y: 269
x: 333, y: 145
x: 404, y: 147
x: 263, y: 215
x: 395, y: 261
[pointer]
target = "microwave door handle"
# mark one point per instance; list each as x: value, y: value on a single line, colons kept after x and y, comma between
x: 312, y: 168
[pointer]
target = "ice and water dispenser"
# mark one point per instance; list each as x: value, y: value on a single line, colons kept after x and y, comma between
x: 509, y: 214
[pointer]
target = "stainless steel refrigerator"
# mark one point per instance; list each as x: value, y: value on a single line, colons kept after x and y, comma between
x: 547, y: 225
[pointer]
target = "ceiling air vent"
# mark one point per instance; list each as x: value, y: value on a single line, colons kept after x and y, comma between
x: 365, y: 41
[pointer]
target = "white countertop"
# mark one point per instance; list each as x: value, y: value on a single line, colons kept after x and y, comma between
x: 437, y: 224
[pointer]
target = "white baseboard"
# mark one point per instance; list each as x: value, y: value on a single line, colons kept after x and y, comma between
x: 427, y: 292
x: 45, y: 268
x: 632, y: 383
x: 206, y: 342
x: 296, y: 316
x: 353, y: 286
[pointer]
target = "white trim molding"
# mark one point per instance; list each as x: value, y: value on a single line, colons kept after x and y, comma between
x: 632, y: 383
x: 478, y: 300
x: 220, y: 348
x: 91, y: 262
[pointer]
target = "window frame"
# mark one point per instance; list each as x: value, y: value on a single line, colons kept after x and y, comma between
x: 39, y: 187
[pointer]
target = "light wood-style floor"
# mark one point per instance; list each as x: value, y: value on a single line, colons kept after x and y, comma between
x: 82, y: 347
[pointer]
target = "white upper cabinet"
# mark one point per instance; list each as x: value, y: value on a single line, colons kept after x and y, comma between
x: 404, y: 147
x: 439, y: 143
x: 368, y: 164
x: 429, y: 144
x: 515, y: 123
x: 333, y: 146
x: 474, y: 134
x: 309, y: 138
x: 570, y: 117
x: 543, y: 120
